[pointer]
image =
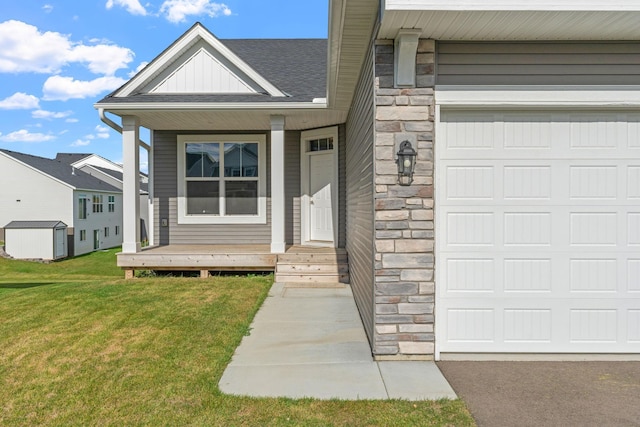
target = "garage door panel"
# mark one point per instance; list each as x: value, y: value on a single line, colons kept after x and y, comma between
x: 538, y: 232
x: 505, y: 327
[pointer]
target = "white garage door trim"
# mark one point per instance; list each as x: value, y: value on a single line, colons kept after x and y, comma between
x: 535, y: 313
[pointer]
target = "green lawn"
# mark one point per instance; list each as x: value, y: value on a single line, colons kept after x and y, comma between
x: 81, y: 346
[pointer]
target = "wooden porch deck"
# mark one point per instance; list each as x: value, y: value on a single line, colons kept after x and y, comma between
x: 297, y: 260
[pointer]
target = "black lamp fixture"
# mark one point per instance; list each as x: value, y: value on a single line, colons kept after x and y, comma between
x: 406, y: 162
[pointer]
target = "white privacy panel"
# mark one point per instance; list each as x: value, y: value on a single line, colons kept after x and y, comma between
x: 538, y: 231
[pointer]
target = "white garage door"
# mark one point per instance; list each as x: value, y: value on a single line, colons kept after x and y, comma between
x: 538, y: 232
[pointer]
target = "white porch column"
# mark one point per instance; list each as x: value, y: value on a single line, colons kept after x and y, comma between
x: 277, y: 185
x: 150, y: 223
x: 131, y: 185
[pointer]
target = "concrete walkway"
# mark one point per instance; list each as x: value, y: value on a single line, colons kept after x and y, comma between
x: 309, y: 342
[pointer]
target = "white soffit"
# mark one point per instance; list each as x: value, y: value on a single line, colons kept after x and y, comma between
x: 498, y: 20
x: 197, y: 48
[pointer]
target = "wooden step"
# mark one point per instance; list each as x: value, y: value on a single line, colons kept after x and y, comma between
x: 312, y: 268
x: 315, y: 278
x: 312, y: 258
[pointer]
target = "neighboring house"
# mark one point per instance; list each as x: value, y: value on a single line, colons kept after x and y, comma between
x: 520, y: 232
x: 111, y: 173
x: 40, y: 189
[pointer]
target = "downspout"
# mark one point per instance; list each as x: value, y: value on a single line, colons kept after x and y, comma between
x: 113, y: 125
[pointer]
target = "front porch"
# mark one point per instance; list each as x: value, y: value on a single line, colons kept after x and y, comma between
x: 300, y: 264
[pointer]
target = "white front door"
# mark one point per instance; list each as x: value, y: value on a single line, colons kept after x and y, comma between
x: 319, y: 182
x: 320, y: 197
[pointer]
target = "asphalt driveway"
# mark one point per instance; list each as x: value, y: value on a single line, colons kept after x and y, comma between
x: 548, y: 393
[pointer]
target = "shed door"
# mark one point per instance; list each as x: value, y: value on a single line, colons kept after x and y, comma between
x: 538, y: 231
x: 60, y: 242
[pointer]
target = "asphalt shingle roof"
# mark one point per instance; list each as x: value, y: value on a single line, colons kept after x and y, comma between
x: 71, y: 157
x: 35, y: 224
x: 297, y: 67
x: 63, y: 171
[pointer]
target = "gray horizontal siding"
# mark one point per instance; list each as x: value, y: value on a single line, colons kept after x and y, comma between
x: 546, y: 63
x: 359, y: 195
x: 292, y: 187
x: 165, y: 203
x: 342, y: 186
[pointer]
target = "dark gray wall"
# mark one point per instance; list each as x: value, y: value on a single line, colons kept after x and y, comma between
x: 359, y: 194
x: 292, y: 187
x: 546, y: 63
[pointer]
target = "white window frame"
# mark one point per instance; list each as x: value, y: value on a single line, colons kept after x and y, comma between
x: 97, y: 203
x: 260, y: 218
x: 111, y: 204
x: 83, y: 210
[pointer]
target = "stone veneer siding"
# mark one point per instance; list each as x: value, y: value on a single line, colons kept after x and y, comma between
x: 404, y: 232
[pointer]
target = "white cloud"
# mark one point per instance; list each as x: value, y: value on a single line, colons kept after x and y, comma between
x: 24, y: 135
x: 23, y: 48
x: 58, y: 88
x: 48, y: 115
x: 101, y: 59
x: 47, y: 8
x: 178, y: 10
x: 20, y: 101
x: 102, y: 132
x: 138, y: 68
x: 132, y: 6
x: 72, y: 121
x: 79, y: 143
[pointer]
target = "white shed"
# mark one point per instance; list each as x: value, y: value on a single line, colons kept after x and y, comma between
x: 45, y: 240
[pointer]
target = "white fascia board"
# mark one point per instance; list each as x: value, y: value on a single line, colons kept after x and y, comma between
x: 512, y: 5
x: 477, y: 96
x: 39, y: 171
x: 83, y: 162
x: 182, y: 44
x: 218, y: 106
x: 89, y: 190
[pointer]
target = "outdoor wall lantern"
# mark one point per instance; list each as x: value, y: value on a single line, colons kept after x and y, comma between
x: 406, y: 162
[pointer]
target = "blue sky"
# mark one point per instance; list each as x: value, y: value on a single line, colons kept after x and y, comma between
x: 58, y: 57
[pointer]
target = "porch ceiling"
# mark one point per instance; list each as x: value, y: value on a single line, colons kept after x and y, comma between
x: 500, y: 24
x: 228, y: 120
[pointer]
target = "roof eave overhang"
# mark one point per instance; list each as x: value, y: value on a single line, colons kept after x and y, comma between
x: 351, y: 26
x: 507, y: 20
x: 117, y: 107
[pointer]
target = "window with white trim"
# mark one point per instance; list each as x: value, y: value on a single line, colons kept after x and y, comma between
x: 111, y: 203
x: 221, y: 179
x: 117, y: 230
x: 97, y: 203
x: 82, y: 207
x: 106, y: 232
x: 83, y: 235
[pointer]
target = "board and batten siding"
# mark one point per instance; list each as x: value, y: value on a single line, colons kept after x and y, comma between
x: 538, y: 63
x: 360, y: 193
x: 166, y: 203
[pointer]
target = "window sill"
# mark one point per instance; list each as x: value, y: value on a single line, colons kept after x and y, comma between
x: 213, y: 219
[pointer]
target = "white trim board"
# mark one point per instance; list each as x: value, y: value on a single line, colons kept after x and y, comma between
x: 540, y: 5
x: 544, y: 96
